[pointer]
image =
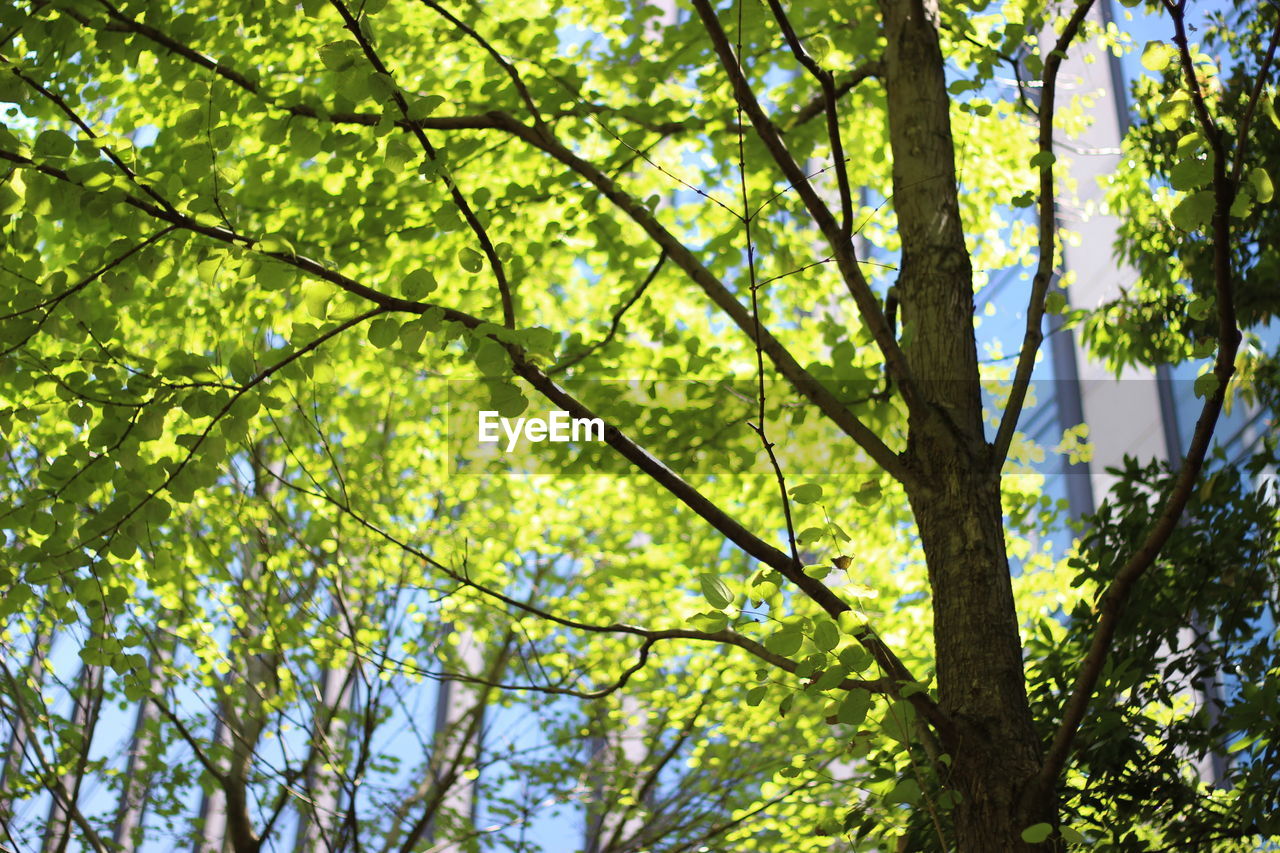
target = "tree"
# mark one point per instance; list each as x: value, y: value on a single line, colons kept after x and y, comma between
x: 258, y: 259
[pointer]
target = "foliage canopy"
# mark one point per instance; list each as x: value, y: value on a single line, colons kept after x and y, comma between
x: 263, y: 263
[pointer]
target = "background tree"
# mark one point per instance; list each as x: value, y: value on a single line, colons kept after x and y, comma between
x: 261, y: 266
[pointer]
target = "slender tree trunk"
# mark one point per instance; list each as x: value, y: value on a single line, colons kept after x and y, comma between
x: 18, y: 733
x: 457, y: 744
x: 213, y: 805
x: 956, y: 502
x: 87, y: 696
x: 318, y: 818
x: 137, y: 773
x: 257, y: 670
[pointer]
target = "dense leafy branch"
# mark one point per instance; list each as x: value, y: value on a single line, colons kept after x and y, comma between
x: 468, y: 213
x: 1115, y: 598
x: 540, y: 137
x: 841, y: 246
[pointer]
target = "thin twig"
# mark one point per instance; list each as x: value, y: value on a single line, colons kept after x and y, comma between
x: 570, y: 361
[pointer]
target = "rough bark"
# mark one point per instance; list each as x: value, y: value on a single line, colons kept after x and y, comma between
x: 956, y: 501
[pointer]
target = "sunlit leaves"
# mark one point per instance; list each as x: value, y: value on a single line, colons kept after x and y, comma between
x: 1157, y: 55
x: 383, y: 332
x: 418, y: 284
x: 470, y: 260
x: 1194, y: 211
x: 715, y: 591
x: 1263, y: 188
x: 806, y: 493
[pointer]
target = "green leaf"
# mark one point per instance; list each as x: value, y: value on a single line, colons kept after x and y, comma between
x: 399, y: 153
x: 1269, y: 104
x: 383, y: 332
x: 907, y: 791
x: 1262, y: 186
x: 1042, y: 159
x: 1071, y: 836
x: 470, y: 260
x: 10, y: 200
x: 810, y: 535
x: 819, y: 46
x: 1037, y: 832
x: 304, y: 141
x: 1174, y: 111
x: 715, y: 591
x: 1206, y: 385
x: 856, y: 659
x: 710, y: 621
x: 1055, y: 302
x: 316, y: 296
x: 785, y: 642
x: 1194, y: 211
x: 826, y: 636
x: 1243, y: 203
x: 898, y: 721
x: 53, y: 144
x: 1190, y: 173
x: 1201, y: 307
x: 828, y: 679
x: 492, y: 359
x: 273, y: 275
x: 422, y: 107
x: 412, y: 335
x: 418, y: 284
x: 507, y: 399
x: 806, y: 493
x: 338, y: 55
x: 854, y: 707
x: 1156, y: 55
x: 1190, y: 144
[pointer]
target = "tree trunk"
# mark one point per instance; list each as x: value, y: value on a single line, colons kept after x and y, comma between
x: 212, y: 821
x: 318, y: 815
x: 137, y: 774
x: 956, y: 496
x: 87, y: 699
x: 994, y: 746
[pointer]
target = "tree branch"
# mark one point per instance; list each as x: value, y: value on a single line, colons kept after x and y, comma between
x: 570, y: 361
x: 842, y: 247
x: 473, y: 221
x: 541, y: 139
x: 819, y: 103
x: 1116, y: 597
x: 826, y: 80
x: 1034, y: 335
x: 523, y: 367
x: 1259, y: 85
